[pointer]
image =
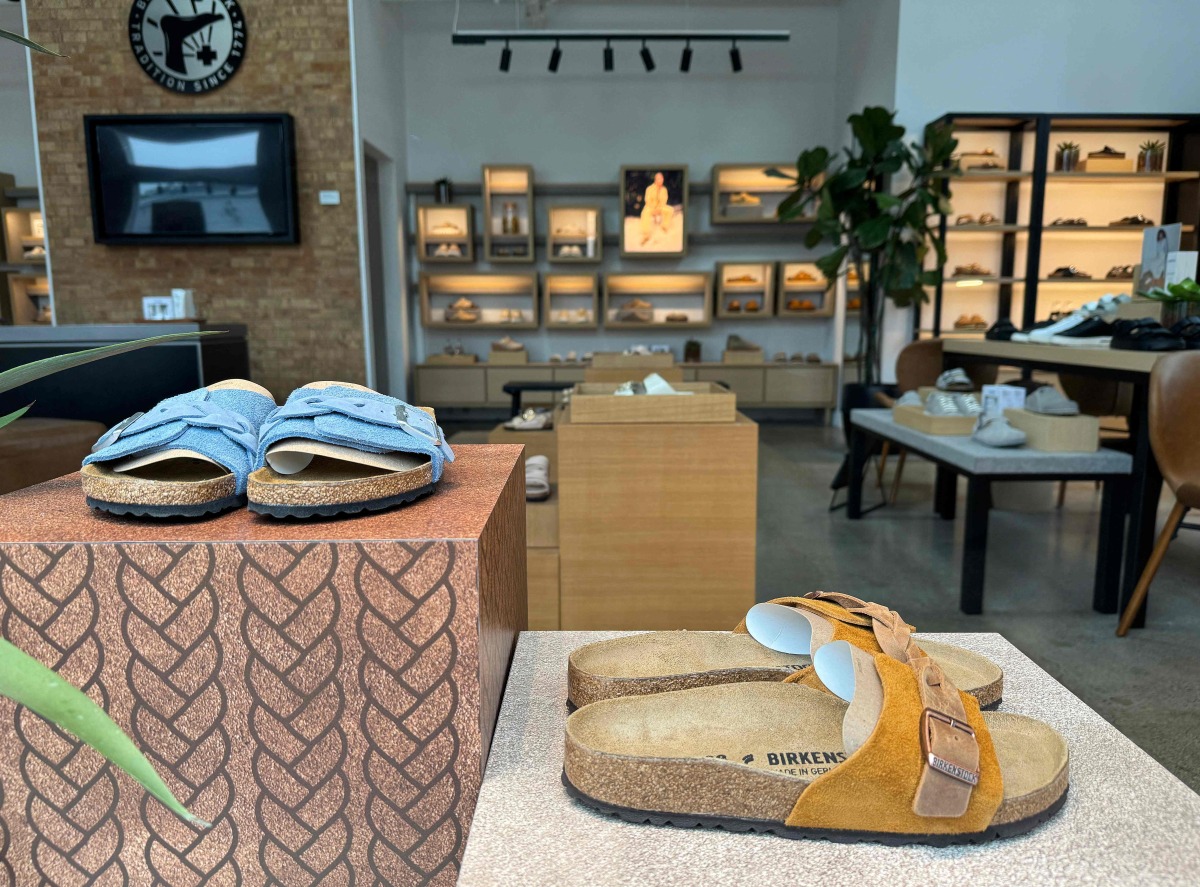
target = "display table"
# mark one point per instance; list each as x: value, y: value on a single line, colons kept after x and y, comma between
x: 982, y: 465
x: 1126, y: 819
x: 656, y: 525
x: 324, y: 692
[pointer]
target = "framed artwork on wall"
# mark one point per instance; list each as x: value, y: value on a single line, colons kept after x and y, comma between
x: 654, y: 211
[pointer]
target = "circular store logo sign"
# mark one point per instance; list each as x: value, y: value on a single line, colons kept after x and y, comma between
x: 189, y: 46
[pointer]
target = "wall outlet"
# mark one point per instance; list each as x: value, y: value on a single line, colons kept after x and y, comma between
x: 329, y: 198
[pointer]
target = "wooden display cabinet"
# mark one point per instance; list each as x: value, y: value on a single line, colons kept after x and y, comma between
x: 446, y: 233
x: 745, y: 284
x: 495, y: 295
x: 29, y: 299
x: 572, y: 294
x: 575, y: 234
x: 803, y: 283
x: 508, y: 214
x: 745, y: 194
x: 683, y: 294
x: 24, y: 233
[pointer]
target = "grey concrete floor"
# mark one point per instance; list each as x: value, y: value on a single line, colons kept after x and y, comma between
x: 1038, y: 593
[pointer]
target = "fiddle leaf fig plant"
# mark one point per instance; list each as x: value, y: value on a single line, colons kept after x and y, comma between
x: 892, y: 240
x: 29, y: 683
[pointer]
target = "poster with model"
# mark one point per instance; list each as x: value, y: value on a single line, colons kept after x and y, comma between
x: 654, y: 211
x: 1157, y: 244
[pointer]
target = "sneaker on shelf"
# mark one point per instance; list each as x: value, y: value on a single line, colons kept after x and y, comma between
x: 941, y: 404
x: 1023, y: 335
x: 997, y: 431
x: 1002, y: 331
x: 968, y: 404
x: 508, y: 343
x: 1093, y: 332
x: 1049, y: 401
x: 955, y: 380
x: 531, y: 420
x: 737, y: 343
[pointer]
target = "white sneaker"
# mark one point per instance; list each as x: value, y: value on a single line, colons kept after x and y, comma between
x: 531, y: 420
x: 537, y: 478
x: 955, y: 380
x: 1046, y: 333
x: 941, y: 404
x: 968, y: 405
x: 1049, y: 401
x: 656, y: 384
x: 997, y: 431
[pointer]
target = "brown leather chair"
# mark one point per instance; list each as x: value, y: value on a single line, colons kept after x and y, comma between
x: 1174, y: 430
x: 918, y: 366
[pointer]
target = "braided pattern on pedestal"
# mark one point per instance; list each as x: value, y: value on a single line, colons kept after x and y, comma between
x: 179, y: 708
x: 7, y: 878
x: 407, y: 679
x: 71, y: 806
x: 299, y: 748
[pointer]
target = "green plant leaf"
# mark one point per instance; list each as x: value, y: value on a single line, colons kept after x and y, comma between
x: 14, y: 415
x: 831, y: 265
x: 29, y: 683
x: 812, y: 163
x: 886, y: 201
x: 874, y: 129
x: 778, y: 174
x: 874, y: 232
x: 36, y: 47
x: 48, y: 366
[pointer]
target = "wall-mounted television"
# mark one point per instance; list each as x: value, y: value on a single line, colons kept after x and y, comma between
x: 192, y: 178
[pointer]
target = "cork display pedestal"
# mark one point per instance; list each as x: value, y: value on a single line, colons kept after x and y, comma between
x: 529, y: 831
x: 323, y: 692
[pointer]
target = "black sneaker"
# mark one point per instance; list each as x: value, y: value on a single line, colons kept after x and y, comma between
x: 1188, y: 329
x: 1144, y: 334
x: 1093, y: 331
x: 1001, y: 331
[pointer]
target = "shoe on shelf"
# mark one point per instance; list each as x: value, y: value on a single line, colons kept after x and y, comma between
x: 636, y: 310
x: 556, y: 358
x: 581, y: 315
x: 531, y: 420
x: 1106, y: 151
x: 572, y: 357
x: 1070, y: 271
x: 1070, y: 223
x: 735, y: 305
x: 965, y: 219
x: 537, y: 478
x: 972, y: 270
x: 737, y: 343
x: 988, y: 219
x: 910, y: 399
x: 1188, y: 330
x: 1093, y: 332
x: 854, y: 304
x: 1023, y: 335
x: 968, y: 405
x: 677, y: 317
x: 802, y: 276
x: 997, y: 431
x: 463, y: 310
x: 940, y: 403
x: 1145, y: 334
x: 1002, y: 331
x: 447, y: 229
x: 752, y: 307
x: 743, y: 278
x: 743, y: 198
x: 1120, y: 272
x: 812, y: 357
x: 1049, y: 401
x: 1138, y: 221
x: 508, y: 343
x: 779, y: 357
x: 955, y: 380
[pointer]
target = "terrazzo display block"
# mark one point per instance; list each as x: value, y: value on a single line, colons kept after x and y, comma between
x: 324, y: 692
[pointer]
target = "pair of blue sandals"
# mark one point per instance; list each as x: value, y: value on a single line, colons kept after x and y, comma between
x: 333, y: 448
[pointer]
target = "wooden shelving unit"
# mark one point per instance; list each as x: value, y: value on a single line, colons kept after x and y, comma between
x: 687, y: 293
x: 575, y: 229
x: 1031, y: 194
x: 494, y: 294
x: 746, y: 284
x: 743, y: 193
x: 572, y: 293
x: 506, y: 187
x: 442, y: 230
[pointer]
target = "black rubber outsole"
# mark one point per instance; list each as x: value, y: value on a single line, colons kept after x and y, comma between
x: 841, y: 836
x: 203, y: 509
x: 339, y: 508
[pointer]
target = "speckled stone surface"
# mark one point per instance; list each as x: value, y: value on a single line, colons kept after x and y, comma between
x: 1126, y: 820
x: 323, y: 692
x: 961, y: 451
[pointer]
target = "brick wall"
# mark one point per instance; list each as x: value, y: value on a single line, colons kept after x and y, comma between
x: 302, y: 303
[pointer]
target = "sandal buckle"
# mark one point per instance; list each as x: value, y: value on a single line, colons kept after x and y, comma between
x: 933, y: 722
x: 113, y: 434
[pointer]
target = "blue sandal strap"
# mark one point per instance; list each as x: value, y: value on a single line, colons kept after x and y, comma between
x: 362, y: 420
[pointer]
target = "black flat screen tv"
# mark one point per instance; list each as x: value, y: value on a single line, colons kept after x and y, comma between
x: 192, y: 178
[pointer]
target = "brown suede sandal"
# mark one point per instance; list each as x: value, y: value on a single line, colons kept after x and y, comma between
x: 910, y: 760
x: 773, y: 643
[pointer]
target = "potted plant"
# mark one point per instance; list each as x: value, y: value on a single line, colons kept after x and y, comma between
x: 1179, y: 300
x: 1150, y: 156
x: 891, y: 241
x: 1066, y: 157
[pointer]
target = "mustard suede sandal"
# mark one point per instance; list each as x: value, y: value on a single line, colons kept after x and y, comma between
x: 910, y: 759
x: 774, y: 642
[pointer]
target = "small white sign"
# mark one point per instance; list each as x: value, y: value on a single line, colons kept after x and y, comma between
x: 998, y: 398
x: 329, y: 198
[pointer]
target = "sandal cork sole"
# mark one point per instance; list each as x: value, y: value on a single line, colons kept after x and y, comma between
x: 329, y: 487
x: 740, y: 757
x: 175, y: 488
x: 662, y: 661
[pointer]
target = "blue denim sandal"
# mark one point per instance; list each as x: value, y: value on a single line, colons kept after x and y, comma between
x: 189, y: 456
x: 336, y: 448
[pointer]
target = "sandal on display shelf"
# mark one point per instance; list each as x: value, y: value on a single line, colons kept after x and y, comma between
x: 338, y: 448
x: 531, y: 420
x: 910, y: 760
x: 773, y: 643
x: 537, y: 478
x: 187, y: 457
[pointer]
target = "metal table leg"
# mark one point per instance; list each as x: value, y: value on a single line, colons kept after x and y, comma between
x: 1143, y: 504
x: 858, y: 465
x: 1110, y: 544
x: 945, y: 493
x: 975, y: 544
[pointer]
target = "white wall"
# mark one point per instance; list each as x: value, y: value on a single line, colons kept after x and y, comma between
x: 1046, y: 55
x: 17, y: 154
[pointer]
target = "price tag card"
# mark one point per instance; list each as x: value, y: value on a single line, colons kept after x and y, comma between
x: 998, y: 398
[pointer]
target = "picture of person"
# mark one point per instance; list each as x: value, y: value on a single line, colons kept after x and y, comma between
x: 654, y: 200
x: 1157, y: 245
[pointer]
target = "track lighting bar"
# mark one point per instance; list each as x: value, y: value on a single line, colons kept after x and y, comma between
x: 477, y: 38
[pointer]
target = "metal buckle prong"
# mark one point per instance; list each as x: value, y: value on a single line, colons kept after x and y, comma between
x: 956, y: 771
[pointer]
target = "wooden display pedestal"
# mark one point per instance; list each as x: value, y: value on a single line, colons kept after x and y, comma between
x: 508, y: 358
x: 656, y: 523
x: 1057, y: 434
x: 324, y: 692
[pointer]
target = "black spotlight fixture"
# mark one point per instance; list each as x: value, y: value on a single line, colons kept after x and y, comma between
x: 685, y: 60
x: 555, y: 57
x: 647, y: 58
x: 505, y: 57
x: 735, y: 57
x: 608, y: 55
